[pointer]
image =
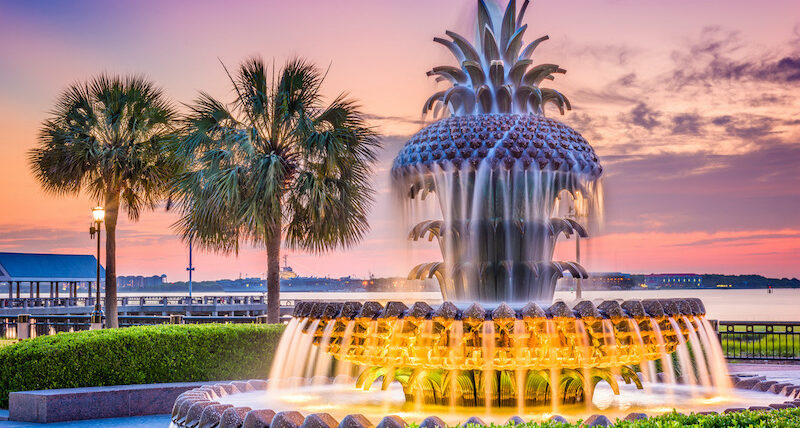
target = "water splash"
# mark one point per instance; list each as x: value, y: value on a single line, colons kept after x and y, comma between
x: 497, y: 234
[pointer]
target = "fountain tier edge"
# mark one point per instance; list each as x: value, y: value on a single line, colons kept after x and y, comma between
x: 339, y: 404
x: 502, y: 356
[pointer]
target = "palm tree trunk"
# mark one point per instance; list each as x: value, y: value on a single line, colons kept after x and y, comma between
x: 112, y: 213
x: 273, y: 275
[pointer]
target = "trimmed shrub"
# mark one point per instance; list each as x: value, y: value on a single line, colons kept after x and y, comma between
x: 136, y: 355
x: 773, y: 419
x: 789, y: 418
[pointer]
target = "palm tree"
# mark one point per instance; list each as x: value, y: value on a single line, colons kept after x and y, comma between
x: 274, y: 164
x: 108, y: 137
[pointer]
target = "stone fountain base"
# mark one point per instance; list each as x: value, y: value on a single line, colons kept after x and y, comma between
x: 202, y: 407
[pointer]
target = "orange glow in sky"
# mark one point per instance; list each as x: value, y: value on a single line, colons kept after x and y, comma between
x: 692, y: 107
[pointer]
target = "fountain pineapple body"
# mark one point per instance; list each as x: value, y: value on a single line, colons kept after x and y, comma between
x: 497, y: 166
x: 525, y: 142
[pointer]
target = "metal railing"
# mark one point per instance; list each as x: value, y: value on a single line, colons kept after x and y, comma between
x: 8, y: 327
x: 135, y: 320
x: 18, y: 327
x: 130, y: 321
x: 52, y: 324
x: 31, y: 302
x: 45, y: 302
x: 775, y: 341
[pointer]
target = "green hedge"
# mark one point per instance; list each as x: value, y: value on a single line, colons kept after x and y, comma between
x: 136, y: 355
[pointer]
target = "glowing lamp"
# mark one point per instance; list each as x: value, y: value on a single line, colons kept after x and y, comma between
x: 98, y: 214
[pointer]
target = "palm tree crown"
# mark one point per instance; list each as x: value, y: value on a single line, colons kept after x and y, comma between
x: 108, y: 136
x: 275, y: 162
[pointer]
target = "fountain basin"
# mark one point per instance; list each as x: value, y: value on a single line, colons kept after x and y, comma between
x: 342, y: 401
x: 504, y: 355
x: 505, y: 337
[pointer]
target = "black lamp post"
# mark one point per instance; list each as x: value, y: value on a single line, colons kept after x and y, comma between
x: 98, y: 215
x: 190, y: 269
x: 573, y: 214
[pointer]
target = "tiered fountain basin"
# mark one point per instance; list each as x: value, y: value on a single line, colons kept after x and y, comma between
x: 449, y: 338
x: 514, y: 356
x: 339, y: 405
x: 356, y: 364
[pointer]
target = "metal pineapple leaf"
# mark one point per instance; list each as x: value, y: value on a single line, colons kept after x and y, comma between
x: 493, y: 76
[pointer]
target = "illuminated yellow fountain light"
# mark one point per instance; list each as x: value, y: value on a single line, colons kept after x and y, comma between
x: 468, y: 361
x: 530, y: 344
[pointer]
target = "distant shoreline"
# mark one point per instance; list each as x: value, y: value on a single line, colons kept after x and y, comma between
x: 217, y: 289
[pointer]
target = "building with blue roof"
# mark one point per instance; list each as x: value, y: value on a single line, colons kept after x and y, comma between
x: 55, y: 270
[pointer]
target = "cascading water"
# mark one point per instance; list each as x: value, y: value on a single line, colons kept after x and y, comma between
x: 505, y: 357
x: 497, y: 236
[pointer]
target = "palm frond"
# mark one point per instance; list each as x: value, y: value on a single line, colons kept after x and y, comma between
x: 108, y: 136
x: 275, y: 155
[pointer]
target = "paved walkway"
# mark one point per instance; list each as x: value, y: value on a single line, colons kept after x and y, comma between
x: 781, y: 372
x: 133, y: 422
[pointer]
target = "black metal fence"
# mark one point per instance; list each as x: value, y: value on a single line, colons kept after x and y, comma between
x: 8, y: 328
x: 35, y: 302
x: 130, y: 321
x: 47, y: 325
x: 744, y: 340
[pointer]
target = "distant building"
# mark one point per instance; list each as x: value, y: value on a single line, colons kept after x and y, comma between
x: 610, y: 280
x: 59, y: 272
x: 673, y: 280
x: 141, y: 281
x: 600, y: 281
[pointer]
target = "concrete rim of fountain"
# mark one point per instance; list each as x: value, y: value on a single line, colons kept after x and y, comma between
x: 607, y: 309
x: 200, y: 407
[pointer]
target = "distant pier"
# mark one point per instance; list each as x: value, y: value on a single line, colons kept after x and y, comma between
x: 228, y: 305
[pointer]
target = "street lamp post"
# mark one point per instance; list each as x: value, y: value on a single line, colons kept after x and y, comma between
x: 190, y: 269
x: 573, y: 214
x: 579, y: 291
x: 98, y: 215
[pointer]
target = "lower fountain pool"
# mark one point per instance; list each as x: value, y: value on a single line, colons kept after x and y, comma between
x: 341, y: 399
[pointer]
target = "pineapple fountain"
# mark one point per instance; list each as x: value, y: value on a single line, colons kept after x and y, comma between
x: 499, y: 169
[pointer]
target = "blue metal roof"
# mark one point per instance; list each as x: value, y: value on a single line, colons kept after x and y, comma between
x: 48, y: 267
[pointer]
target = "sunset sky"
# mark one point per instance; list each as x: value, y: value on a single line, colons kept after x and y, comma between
x: 692, y: 107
